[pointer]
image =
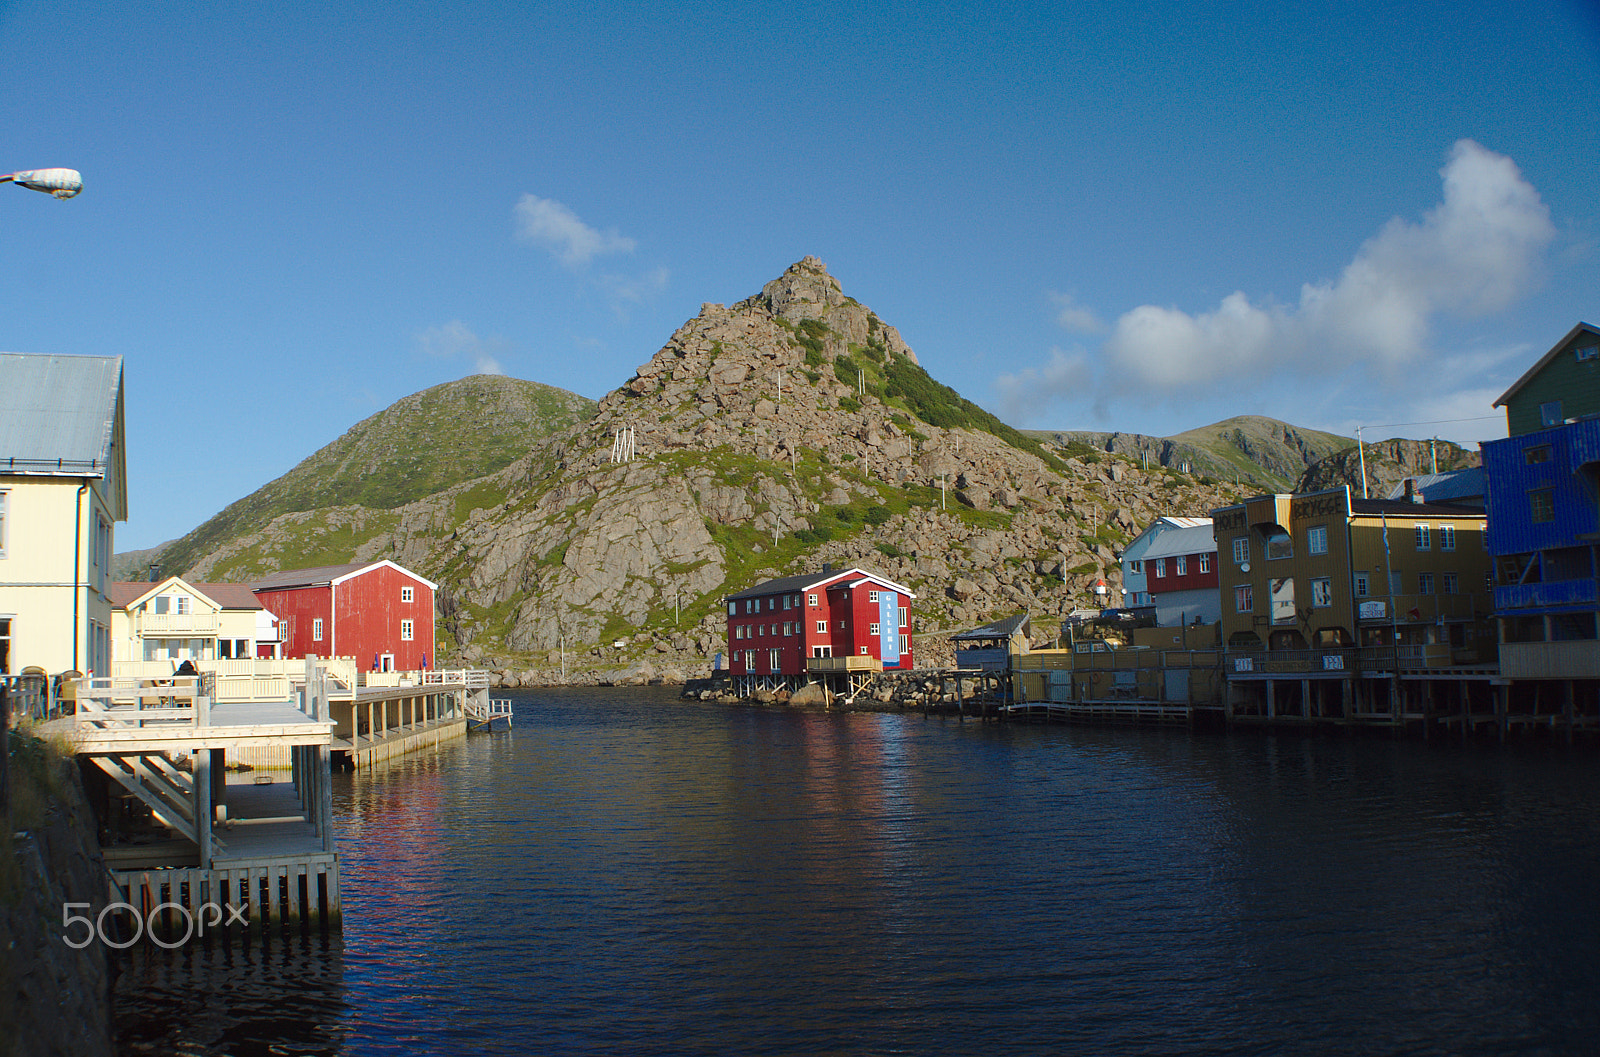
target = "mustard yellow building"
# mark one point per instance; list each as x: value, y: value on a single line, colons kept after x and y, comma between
x: 1325, y: 570
x: 63, y: 486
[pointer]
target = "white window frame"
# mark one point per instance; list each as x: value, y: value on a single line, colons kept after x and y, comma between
x: 749, y: 660
x: 408, y: 594
x: 822, y: 627
x: 1244, y: 593
x: 872, y: 596
x: 1424, y: 538
x: 1317, y: 539
x: 733, y: 609
x: 1362, y: 585
x: 875, y: 628
x: 1447, y: 537
x: 1205, y: 562
x: 1135, y: 566
x: 1180, y: 565
x: 1425, y: 583
x: 1159, y: 567
x: 407, y: 630
x: 1321, y: 592
x: 811, y: 600
x: 1241, y: 550
x: 775, y: 659
x: 1449, y: 584
x: 316, y: 629
x: 905, y: 617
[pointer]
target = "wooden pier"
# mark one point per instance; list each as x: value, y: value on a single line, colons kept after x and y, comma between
x: 178, y: 833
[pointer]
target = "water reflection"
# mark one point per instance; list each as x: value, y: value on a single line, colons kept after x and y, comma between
x: 286, y: 996
x: 629, y: 873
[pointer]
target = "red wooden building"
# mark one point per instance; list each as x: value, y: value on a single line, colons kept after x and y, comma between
x: 377, y: 612
x: 783, y: 628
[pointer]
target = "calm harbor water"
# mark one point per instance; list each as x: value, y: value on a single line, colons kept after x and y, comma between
x: 628, y: 873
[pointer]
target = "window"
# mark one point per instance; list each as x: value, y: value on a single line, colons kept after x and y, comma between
x: 1244, y: 599
x: 749, y: 660
x: 407, y: 594
x: 797, y: 601
x: 1160, y: 567
x: 1424, y: 583
x: 5, y: 639
x: 1180, y: 565
x: 1447, y: 537
x: 1586, y: 352
x: 1363, y: 585
x: 1135, y: 566
x: 1317, y: 540
x: 1205, y: 563
x: 1541, y: 505
x: 406, y: 628
x: 811, y: 600
x: 875, y: 628
x: 774, y: 659
x: 1537, y: 454
x: 1241, y: 550
x: 316, y: 630
x: 1321, y: 592
x: 772, y: 604
x: 905, y: 617
x: 1394, y: 584
x: 1279, y: 543
x: 863, y: 651
x: 872, y: 596
x: 786, y: 600
x: 1424, y: 539
x: 822, y: 627
x: 733, y: 609
x: 841, y: 623
x: 1448, y: 583
x: 1550, y: 413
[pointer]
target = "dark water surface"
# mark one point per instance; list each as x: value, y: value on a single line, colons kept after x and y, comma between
x: 629, y: 874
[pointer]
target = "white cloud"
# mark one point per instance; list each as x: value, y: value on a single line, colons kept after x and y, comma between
x: 550, y: 224
x: 1024, y: 394
x: 1476, y: 252
x: 1073, y: 316
x: 455, y: 339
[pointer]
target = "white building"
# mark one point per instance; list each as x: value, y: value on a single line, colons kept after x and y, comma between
x: 1135, y: 578
x: 63, y: 486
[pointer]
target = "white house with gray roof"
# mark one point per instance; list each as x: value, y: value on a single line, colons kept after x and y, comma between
x: 63, y: 487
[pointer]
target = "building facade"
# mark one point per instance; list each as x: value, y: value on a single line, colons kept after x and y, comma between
x: 780, y: 628
x: 63, y: 488
x: 1324, y: 570
x: 1180, y: 570
x: 176, y: 621
x: 377, y: 612
x: 1135, y: 575
x: 1543, y: 484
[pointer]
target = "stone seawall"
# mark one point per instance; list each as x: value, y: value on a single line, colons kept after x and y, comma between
x: 54, y: 1000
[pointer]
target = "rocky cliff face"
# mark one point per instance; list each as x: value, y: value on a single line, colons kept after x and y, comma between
x: 1388, y: 463
x: 789, y: 429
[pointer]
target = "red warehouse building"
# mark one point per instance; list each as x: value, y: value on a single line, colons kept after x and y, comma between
x: 377, y: 612
x: 785, y: 630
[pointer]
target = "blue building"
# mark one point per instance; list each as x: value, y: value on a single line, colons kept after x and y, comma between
x: 1543, y: 504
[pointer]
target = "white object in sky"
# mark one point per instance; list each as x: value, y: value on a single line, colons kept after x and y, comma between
x: 62, y: 183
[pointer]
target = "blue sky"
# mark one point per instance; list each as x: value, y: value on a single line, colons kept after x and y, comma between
x: 1144, y: 217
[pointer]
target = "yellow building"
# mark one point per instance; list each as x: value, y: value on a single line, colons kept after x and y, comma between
x: 63, y: 486
x: 1320, y: 570
x: 175, y: 621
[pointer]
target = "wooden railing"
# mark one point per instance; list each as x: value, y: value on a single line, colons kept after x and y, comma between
x: 851, y: 663
x: 122, y: 703
x: 157, y: 625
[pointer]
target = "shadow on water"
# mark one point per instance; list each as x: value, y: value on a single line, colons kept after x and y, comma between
x: 285, y: 996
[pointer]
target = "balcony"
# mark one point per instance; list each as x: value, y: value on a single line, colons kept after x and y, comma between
x: 1550, y: 593
x: 178, y: 625
x: 1412, y: 657
x: 844, y: 664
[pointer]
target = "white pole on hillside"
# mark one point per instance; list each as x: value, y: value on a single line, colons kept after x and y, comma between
x: 1363, y: 456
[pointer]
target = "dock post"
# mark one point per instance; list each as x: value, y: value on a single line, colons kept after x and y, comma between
x: 201, y: 780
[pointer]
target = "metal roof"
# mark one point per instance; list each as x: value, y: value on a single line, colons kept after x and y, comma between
x: 1196, y: 540
x: 999, y: 629
x: 1445, y: 487
x: 58, y: 413
x: 787, y: 584
x: 325, y: 575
